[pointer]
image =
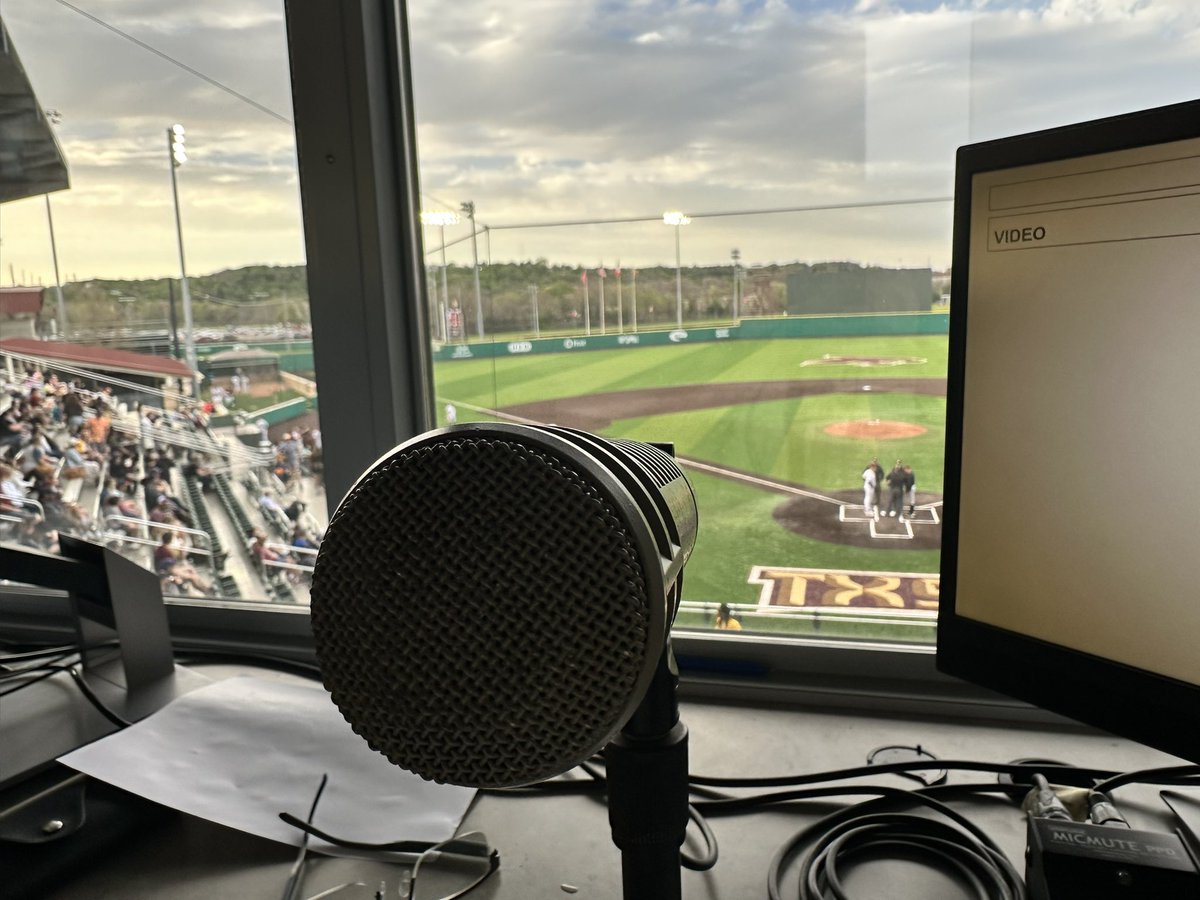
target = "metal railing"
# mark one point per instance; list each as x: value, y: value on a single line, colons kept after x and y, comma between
x: 145, y: 539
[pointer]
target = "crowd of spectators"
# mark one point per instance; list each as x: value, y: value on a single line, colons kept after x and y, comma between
x: 56, y: 437
x: 46, y: 439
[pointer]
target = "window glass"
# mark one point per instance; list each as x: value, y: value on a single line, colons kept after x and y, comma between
x: 728, y: 225
x: 159, y: 394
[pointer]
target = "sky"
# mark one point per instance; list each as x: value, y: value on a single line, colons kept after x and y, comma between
x: 548, y: 111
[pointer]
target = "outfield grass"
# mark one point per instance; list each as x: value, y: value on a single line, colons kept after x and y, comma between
x: 785, y: 439
x: 509, y: 380
x: 780, y: 439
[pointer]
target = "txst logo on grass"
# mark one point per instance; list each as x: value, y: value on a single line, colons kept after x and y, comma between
x: 834, y: 588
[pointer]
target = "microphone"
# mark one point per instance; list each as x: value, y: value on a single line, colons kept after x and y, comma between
x: 492, y: 606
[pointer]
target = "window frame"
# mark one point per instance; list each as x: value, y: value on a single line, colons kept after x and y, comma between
x: 356, y: 148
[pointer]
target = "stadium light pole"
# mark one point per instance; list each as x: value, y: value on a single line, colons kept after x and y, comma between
x: 54, y: 117
x: 677, y: 219
x: 468, y: 209
x: 62, y: 303
x: 441, y: 219
x: 178, y: 156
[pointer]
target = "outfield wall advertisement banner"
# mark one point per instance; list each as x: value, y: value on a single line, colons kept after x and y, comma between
x: 796, y: 326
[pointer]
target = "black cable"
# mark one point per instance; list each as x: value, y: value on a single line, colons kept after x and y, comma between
x: 47, y: 671
x: 57, y: 650
x: 859, y: 829
x: 87, y: 692
x: 23, y: 655
x: 1062, y: 774
x: 709, y: 859
x: 308, y: 828
x: 1182, y: 775
x: 22, y: 671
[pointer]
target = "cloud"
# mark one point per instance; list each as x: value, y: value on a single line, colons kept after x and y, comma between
x: 566, y: 109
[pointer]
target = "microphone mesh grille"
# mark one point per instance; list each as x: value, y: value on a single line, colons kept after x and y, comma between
x: 481, y: 612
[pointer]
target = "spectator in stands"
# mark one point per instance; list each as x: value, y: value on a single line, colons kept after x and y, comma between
x: 116, y: 505
x: 96, y: 429
x: 196, y: 466
x: 80, y: 462
x: 170, y: 562
x: 272, y: 511
x: 158, y: 497
x: 12, y: 425
x: 725, y: 620
x: 38, y: 449
x: 72, y: 409
x: 146, y: 426
x: 14, y: 503
x: 301, y: 539
x: 265, y: 554
x: 289, y: 450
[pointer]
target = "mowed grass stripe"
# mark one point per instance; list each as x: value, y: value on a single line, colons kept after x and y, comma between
x: 523, y: 379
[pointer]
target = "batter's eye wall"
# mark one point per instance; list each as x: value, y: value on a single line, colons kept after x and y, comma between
x: 853, y: 289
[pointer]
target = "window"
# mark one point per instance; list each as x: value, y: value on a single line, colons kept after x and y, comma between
x: 155, y: 340
x: 727, y: 225
x: 816, y: 140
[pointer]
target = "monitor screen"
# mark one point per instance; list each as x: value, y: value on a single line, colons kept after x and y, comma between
x: 1071, y: 546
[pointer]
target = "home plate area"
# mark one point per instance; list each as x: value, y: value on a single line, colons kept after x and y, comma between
x: 885, y: 528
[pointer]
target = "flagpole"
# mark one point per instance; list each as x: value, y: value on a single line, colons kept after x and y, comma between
x: 633, y: 298
x: 602, y: 274
x: 587, y: 306
x: 620, y: 306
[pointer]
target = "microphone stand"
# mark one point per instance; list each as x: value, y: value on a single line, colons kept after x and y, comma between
x: 647, y: 766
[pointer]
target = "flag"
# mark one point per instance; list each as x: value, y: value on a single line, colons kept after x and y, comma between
x: 600, y: 271
x: 617, y: 271
x: 583, y: 277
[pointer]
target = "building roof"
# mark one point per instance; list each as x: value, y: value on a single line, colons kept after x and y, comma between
x: 15, y: 301
x: 31, y: 161
x: 101, y: 359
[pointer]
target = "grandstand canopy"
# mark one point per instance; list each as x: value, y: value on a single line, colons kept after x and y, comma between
x: 94, y: 359
x: 31, y: 162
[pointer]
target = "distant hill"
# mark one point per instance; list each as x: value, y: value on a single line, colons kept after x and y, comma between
x: 265, y: 295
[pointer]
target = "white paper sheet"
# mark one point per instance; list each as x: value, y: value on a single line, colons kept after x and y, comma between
x: 243, y: 750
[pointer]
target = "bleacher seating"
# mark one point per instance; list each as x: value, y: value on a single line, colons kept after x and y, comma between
x: 192, y: 498
x: 235, y: 509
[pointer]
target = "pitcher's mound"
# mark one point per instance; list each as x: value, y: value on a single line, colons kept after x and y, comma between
x: 879, y: 429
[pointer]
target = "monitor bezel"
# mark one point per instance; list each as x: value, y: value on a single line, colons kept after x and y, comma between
x: 1143, y: 706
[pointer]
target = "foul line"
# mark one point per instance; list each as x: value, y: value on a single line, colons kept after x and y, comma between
x: 691, y: 463
x: 753, y: 479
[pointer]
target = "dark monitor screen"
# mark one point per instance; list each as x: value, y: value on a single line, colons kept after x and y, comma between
x: 1071, y: 544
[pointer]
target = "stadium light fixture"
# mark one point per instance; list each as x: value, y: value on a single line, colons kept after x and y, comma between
x: 177, y: 135
x: 677, y: 219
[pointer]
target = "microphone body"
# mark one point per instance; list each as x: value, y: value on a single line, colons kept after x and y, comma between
x: 491, y: 606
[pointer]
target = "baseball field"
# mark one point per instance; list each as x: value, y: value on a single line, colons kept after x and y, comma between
x: 773, y: 434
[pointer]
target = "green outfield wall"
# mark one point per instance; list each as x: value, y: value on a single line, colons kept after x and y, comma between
x: 758, y: 329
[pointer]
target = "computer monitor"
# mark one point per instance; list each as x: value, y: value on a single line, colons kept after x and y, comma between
x: 1071, y: 540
